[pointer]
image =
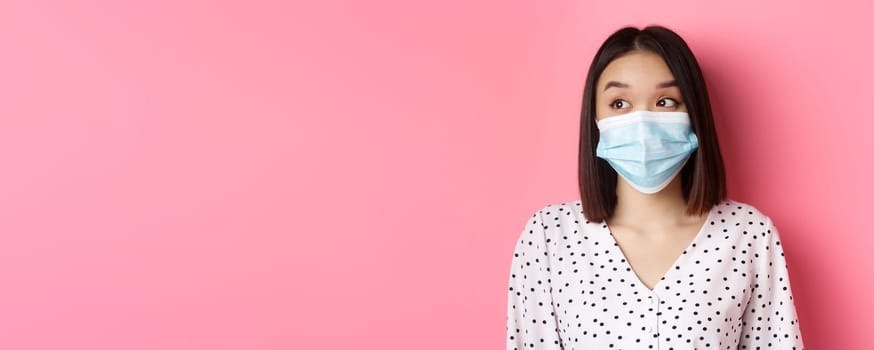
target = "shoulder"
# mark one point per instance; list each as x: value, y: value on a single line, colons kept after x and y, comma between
x: 740, y: 211
x: 555, y: 211
x: 751, y: 225
x: 561, y: 207
x: 555, y: 218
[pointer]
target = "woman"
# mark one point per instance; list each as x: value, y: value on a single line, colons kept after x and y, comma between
x: 653, y: 255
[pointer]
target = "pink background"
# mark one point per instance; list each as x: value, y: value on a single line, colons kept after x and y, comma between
x: 354, y: 174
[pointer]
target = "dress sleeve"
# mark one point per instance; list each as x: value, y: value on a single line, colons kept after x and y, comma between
x: 531, y: 321
x: 770, y: 320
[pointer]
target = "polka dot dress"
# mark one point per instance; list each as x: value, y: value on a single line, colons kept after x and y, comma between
x: 572, y: 288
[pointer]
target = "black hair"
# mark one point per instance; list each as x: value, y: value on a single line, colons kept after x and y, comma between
x: 703, y: 176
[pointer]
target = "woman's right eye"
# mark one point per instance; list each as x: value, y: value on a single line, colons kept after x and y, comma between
x: 619, y: 104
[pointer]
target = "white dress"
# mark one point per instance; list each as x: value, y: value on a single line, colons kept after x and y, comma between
x: 572, y: 288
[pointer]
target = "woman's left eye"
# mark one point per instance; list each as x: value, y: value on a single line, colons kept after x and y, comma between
x: 667, y: 102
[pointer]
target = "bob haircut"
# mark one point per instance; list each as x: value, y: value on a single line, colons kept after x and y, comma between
x: 703, y: 176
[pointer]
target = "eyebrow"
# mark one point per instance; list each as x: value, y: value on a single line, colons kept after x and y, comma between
x: 661, y: 85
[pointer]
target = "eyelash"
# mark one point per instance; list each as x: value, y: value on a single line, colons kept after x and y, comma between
x: 676, y: 102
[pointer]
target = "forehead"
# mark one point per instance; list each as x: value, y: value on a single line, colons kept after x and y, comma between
x: 639, y: 69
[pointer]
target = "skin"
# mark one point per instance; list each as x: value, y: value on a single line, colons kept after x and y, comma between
x: 652, y: 230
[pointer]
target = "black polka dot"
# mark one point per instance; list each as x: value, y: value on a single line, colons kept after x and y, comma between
x: 571, y: 287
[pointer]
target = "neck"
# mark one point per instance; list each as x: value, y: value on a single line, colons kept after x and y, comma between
x: 664, y: 208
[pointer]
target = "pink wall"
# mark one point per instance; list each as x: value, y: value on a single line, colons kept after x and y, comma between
x: 353, y: 174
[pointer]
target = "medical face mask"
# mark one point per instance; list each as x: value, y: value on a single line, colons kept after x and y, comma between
x: 648, y: 149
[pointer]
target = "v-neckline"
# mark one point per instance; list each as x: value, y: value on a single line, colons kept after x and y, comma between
x: 677, y: 261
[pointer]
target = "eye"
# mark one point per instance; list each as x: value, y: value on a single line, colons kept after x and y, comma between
x: 667, y: 102
x: 619, y: 104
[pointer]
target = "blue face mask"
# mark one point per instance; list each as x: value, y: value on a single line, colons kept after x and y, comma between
x: 648, y: 149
